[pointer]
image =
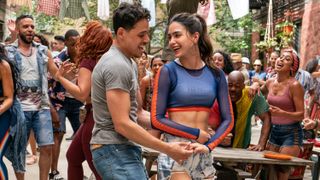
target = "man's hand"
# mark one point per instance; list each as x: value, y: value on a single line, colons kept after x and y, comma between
x: 179, y: 151
x: 11, y: 24
x: 257, y: 147
x: 203, y: 137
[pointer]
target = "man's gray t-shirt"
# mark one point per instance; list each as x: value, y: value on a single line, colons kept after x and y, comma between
x: 113, y: 71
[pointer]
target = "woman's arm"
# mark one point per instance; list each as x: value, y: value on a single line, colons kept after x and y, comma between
x: 226, y: 113
x: 81, y: 91
x: 265, y: 88
x: 7, y: 85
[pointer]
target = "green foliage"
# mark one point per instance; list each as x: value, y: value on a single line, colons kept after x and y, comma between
x: 283, y: 38
x: 267, y: 46
x: 233, y: 35
x: 52, y: 25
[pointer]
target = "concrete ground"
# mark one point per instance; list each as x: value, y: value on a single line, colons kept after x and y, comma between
x: 32, y: 171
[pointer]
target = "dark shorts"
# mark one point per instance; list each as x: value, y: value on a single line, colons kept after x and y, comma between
x: 286, y: 135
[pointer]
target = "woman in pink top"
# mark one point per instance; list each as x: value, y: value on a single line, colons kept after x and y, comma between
x: 285, y: 97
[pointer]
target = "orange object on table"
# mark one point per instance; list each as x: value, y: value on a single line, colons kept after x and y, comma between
x: 279, y: 156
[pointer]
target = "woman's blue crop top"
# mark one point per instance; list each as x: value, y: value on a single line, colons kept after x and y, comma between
x: 179, y: 89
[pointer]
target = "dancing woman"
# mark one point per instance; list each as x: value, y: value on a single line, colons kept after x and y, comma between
x: 95, y: 41
x: 187, y: 88
x: 285, y: 96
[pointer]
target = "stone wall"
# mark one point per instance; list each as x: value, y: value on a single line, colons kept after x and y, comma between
x: 310, y: 32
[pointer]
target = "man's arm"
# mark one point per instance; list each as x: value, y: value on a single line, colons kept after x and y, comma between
x: 118, y: 102
x: 52, y: 68
x: 265, y: 130
x: 143, y: 115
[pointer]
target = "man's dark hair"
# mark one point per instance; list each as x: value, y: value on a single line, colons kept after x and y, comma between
x: 23, y: 16
x: 71, y: 33
x: 127, y: 15
x: 59, y: 38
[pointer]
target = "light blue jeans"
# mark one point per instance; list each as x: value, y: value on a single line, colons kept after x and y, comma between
x: 41, y: 124
x: 119, y: 161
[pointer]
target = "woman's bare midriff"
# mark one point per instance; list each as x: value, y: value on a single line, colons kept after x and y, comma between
x: 198, y: 119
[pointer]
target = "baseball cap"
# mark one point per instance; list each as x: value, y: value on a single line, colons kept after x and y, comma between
x: 245, y: 60
x: 257, y: 62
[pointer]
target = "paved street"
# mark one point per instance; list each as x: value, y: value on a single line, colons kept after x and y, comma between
x: 33, y: 170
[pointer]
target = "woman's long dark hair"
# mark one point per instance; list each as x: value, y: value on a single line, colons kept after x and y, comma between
x: 195, y: 23
x: 14, y: 72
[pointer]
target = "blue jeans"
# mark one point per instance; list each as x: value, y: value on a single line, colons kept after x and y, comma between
x: 119, y: 161
x: 71, y: 110
x: 41, y: 123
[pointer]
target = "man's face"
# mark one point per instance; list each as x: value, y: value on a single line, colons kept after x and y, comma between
x: 57, y: 45
x: 237, y: 65
x: 25, y: 29
x: 235, y: 86
x: 70, y: 43
x: 135, y: 39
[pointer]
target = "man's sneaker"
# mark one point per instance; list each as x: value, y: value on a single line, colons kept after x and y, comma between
x: 55, y: 175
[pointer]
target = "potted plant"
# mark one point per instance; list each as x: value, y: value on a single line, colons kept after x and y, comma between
x: 285, y: 27
x: 266, y: 46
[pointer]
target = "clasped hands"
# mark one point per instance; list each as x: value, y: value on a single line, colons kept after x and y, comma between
x: 182, y: 150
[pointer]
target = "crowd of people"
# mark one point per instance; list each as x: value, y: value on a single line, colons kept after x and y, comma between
x: 182, y: 107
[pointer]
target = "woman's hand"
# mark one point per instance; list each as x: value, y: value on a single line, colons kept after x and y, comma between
x: 254, y: 89
x: 227, y: 140
x: 203, y: 137
x: 309, y: 124
x: 66, y: 70
x: 275, y: 111
x: 198, y: 148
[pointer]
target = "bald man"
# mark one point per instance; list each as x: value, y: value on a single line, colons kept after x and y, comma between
x: 244, y: 108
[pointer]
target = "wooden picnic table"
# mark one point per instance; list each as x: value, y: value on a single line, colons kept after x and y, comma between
x: 234, y: 156
x: 316, y: 168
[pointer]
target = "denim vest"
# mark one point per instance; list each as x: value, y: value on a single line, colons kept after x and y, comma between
x: 42, y: 60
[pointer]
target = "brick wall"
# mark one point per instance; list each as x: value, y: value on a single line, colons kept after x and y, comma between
x: 310, y: 32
